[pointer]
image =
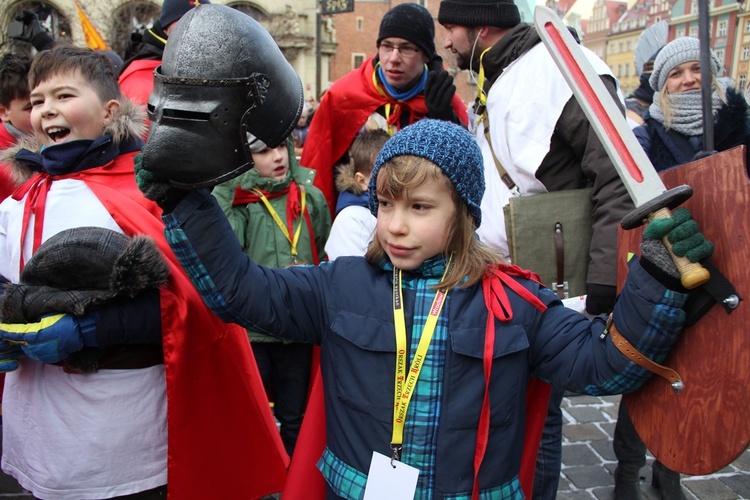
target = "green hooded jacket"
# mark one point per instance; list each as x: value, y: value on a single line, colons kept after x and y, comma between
x: 260, y: 236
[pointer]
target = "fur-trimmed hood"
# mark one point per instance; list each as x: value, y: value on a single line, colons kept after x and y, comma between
x: 129, y: 123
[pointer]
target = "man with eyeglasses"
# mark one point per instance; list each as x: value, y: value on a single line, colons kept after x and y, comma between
x: 545, y: 143
x: 399, y: 85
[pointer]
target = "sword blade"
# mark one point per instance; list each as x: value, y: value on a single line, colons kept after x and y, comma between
x: 650, y: 196
x: 627, y: 155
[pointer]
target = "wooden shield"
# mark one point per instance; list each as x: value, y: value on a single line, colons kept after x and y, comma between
x: 706, y: 426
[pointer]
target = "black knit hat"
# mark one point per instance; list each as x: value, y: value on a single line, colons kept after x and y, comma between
x: 412, y: 22
x: 173, y: 10
x: 500, y: 13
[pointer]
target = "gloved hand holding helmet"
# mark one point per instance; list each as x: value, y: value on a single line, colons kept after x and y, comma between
x: 222, y: 79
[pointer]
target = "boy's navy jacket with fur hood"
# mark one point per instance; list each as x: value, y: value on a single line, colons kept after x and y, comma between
x: 207, y: 363
x: 346, y: 306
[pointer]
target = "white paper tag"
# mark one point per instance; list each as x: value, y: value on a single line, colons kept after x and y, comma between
x: 385, y: 481
x: 576, y: 303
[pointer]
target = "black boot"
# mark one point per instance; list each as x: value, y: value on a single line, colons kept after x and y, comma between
x: 631, y: 456
x: 667, y: 482
x: 627, y: 483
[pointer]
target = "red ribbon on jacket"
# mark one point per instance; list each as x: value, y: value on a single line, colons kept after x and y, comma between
x: 496, y: 299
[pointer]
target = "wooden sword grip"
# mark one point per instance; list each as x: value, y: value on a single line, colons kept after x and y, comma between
x: 692, y: 274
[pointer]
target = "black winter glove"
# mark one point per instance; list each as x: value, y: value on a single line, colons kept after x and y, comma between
x: 600, y: 299
x: 686, y: 239
x: 156, y: 188
x: 438, y: 94
x: 33, y: 32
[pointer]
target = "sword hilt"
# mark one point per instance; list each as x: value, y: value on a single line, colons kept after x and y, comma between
x: 692, y: 274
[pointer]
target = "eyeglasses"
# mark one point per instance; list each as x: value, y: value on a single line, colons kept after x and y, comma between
x: 406, y: 51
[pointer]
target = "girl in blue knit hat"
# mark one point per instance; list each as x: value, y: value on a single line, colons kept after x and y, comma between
x: 432, y: 348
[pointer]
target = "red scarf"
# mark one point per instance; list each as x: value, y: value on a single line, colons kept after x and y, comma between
x: 293, y: 208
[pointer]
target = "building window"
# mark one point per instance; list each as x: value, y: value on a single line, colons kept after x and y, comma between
x: 721, y: 29
x: 693, y: 6
x: 357, y: 60
x: 747, y: 26
x: 627, y: 70
x: 679, y: 32
x: 743, y: 81
x: 694, y: 31
x: 720, y: 55
x: 360, y: 23
x: 628, y: 46
x: 745, y: 53
x: 619, y: 71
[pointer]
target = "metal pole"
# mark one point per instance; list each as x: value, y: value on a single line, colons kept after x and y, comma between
x: 318, y: 48
x: 706, y: 84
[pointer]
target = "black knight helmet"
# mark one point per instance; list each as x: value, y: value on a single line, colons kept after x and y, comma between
x: 223, y: 82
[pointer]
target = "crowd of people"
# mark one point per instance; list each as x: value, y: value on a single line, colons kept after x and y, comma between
x: 167, y: 308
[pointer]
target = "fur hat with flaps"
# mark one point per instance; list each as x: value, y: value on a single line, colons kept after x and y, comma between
x: 82, y: 267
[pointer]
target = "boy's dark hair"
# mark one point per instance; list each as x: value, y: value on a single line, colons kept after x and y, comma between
x: 14, y: 78
x: 365, y: 149
x: 94, y: 67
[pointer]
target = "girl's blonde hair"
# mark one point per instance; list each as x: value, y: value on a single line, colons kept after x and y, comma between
x: 666, y: 107
x: 471, y: 257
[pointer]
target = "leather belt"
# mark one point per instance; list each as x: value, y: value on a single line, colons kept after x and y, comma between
x: 636, y: 357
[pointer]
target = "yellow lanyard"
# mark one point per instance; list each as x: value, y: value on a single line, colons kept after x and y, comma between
x: 404, y: 385
x: 381, y: 91
x: 280, y: 223
x: 481, y: 94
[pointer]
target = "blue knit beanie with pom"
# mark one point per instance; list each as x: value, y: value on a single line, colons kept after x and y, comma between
x: 447, y: 145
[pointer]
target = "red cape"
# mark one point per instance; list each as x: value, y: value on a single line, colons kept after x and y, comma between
x: 6, y: 180
x: 345, y: 107
x: 222, y: 438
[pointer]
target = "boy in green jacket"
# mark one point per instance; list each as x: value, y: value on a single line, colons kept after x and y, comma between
x: 281, y: 220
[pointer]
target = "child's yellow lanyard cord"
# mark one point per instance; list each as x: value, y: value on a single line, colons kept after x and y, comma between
x: 280, y: 223
x: 404, y: 386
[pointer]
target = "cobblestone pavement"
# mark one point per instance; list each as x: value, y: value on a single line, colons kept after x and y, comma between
x: 588, y: 460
